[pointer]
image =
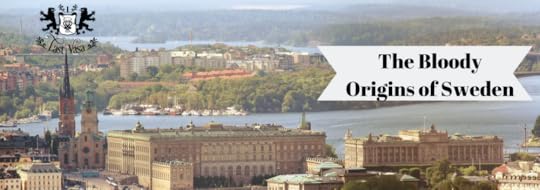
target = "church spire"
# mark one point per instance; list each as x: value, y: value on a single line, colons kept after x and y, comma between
x: 66, y: 123
x: 66, y: 86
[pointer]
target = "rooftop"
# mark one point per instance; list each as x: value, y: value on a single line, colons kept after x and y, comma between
x: 327, y: 165
x: 212, y: 130
x: 416, y: 135
x: 37, y: 167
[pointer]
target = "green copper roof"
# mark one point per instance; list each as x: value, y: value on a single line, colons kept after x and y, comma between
x: 327, y: 165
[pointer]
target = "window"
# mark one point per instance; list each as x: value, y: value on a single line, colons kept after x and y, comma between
x: 246, y: 170
x: 238, y: 170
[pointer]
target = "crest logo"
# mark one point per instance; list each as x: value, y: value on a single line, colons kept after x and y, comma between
x: 69, y: 20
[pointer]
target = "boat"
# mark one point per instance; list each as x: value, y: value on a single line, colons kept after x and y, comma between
x: 8, y: 124
x: 206, y: 113
x: 33, y: 119
x: 45, y: 115
x: 133, y: 112
x: 117, y: 112
x: 107, y: 111
x: 186, y: 113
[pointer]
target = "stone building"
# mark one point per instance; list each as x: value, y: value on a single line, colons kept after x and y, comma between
x: 421, y: 148
x: 87, y: 150
x: 172, y: 175
x: 40, y: 176
x: 239, y: 152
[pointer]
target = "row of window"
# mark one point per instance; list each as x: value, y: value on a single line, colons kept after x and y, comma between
x: 238, y: 170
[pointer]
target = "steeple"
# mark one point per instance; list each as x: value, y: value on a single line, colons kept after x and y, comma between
x: 66, y: 123
x: 66, y: 90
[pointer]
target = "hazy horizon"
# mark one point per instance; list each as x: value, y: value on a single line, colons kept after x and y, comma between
x: 491, y: 6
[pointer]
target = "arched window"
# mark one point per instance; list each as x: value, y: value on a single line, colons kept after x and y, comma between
x: 238, y: 170
x: 230, y: 171
x: 66, y: 158
x: 246, y: 170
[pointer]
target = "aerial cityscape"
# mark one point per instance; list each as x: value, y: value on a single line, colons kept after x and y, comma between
x: 225, y: 97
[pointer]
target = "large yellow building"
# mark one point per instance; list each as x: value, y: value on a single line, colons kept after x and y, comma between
x: 421, y: 148
x: 239, y: 152
x: 172, y: 175
x: 40, y: 176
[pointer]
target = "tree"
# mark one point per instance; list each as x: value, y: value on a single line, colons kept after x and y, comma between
x: 415, y: 172
x: 330, y: 151
x: 439, y: 171
x: 152, y: 71
x: 445, y: 184
x: 404, y: 171
x: 521, y: 156
x: 382, y: 182
x: 133, y: 77
x: 460, y: 183
x: 468, y: 171
x: 536, y: 129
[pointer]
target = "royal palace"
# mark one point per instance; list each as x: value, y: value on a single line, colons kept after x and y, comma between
x: 421, y: 148
x: 239, y: 152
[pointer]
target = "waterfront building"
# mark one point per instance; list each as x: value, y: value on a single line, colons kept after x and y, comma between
x: 40, y: 176
x: 239, y: 152
x: 66, y: 123
x: 172, y: 175
x: 87, y: 150
x: 421, y: 148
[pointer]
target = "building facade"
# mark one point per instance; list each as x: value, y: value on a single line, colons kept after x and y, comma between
x: 421, y: 148
x: 40, y: 176
x: 214, y: 150
x: 10, y: 179
x: 172, y: 175
x: 87, y: 150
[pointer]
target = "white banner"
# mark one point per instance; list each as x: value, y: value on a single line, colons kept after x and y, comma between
x: 424, y: 73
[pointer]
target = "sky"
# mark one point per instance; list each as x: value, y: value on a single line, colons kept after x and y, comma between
x: 176, y: 5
